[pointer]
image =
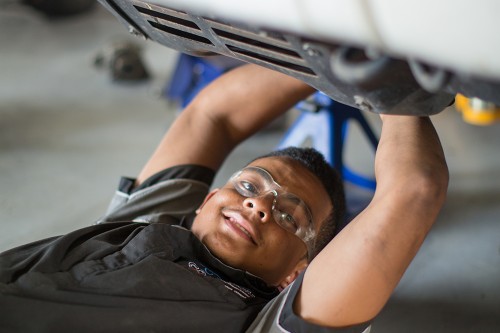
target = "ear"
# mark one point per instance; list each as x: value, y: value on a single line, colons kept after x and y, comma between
x: 301, y: 265
x: 207, y: 197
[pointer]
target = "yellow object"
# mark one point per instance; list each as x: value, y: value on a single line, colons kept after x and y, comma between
x: 477, y: 111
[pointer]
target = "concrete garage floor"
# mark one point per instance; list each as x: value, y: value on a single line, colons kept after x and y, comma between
x: 67, y: 132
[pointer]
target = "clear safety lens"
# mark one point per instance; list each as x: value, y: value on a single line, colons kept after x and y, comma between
x: 289, y: 211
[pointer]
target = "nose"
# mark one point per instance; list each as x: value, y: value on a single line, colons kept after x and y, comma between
x: 261, y: 205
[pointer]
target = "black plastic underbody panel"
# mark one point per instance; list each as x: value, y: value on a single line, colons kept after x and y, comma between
x: 348, y: 75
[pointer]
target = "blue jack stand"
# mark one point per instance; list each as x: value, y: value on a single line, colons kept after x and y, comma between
x: 327, y: 127
x: 192, y: 74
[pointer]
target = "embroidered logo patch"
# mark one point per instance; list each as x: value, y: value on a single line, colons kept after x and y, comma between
x: 240, y: 291
x: 203, y: 271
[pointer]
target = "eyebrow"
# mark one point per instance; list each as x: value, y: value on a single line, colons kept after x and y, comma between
x: 268, y: 173
x: 296, y: 199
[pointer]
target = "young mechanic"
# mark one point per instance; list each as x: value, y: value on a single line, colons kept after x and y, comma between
x: 171, y: 256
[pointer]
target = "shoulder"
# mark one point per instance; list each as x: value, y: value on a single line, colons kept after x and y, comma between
x: 278, y: 316
x: 170, y: 193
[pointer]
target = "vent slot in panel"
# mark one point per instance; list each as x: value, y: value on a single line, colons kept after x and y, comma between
x: 276, y: 62
x: 268, y: 34
x: 255, y: 43
x: 181, y: 33
x: 172, y: 22
x: 264, y: 36
x: 164, y: 16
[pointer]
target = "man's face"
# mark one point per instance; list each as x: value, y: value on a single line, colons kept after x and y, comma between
x: 242, y: 232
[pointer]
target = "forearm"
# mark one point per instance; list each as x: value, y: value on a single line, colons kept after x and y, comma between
x: 369, y: 257
x: 246, y: 99
x: 412, y: 180
x: 410, y: 158
x: 225, y: 113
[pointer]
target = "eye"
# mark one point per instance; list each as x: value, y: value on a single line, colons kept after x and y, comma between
x: 248, y: 187
x: 288, y: 220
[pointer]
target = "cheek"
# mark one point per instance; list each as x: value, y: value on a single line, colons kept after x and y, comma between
x: 282, y: 243
x: 205, y: 220
x: 225, y: 197
x: 209, y: 215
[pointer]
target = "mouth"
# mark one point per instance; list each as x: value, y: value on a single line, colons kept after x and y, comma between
x: 240, y: 226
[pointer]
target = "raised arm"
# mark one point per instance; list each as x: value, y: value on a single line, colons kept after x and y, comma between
x: 225, y: 113
x: 350, y: 281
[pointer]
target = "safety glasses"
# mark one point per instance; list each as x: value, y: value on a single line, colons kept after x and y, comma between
x: 288, y: 210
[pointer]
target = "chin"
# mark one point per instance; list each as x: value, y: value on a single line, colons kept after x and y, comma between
x: 224, y: 249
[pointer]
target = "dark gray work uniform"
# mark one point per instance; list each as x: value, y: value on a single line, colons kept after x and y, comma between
x: 140, y: 269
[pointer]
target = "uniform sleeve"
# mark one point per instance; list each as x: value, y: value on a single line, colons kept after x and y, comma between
x: 165, y: 197
x: 278, y: 317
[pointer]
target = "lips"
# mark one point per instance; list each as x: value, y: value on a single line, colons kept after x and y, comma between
x: 240, y: 225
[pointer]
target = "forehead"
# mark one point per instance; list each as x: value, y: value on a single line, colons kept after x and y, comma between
x: 297, y: 179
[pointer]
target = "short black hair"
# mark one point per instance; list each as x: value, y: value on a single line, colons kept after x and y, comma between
x: 315, y: 162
